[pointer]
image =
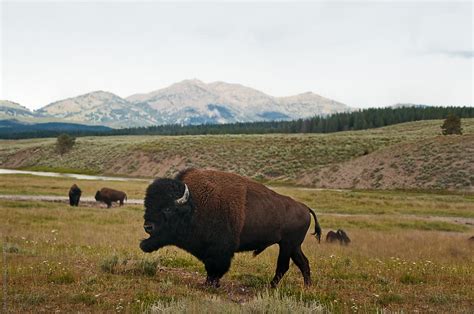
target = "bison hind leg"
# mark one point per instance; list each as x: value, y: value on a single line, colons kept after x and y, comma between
x: 302, y: 262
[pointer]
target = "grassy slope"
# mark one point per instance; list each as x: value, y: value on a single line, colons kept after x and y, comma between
x: 443, y: 162
x: 278, y: 158
x: 87, y: 259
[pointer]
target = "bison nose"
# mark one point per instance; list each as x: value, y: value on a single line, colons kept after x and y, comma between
x: 148, y: 227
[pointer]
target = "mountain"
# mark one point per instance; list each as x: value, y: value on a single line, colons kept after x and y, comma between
x: 408, y: 105
x: 101, y: 108
x: 11, y: 110
x: 186, y: 102
x: 194, y: 102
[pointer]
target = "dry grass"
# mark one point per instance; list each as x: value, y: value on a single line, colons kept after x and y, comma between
x: 87, y: 259
x: 385, y: 202
x: 34, y: 185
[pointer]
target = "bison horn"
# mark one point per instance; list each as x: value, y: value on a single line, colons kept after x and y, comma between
x: 183, y: 199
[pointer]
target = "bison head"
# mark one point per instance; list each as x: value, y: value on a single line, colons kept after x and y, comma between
x: 168, y: 213
x: 98, y: 197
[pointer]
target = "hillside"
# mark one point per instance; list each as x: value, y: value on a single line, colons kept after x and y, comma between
x: 309, y: 159
x: 442, y: 162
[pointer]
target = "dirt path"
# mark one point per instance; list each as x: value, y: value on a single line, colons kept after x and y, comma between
x: 452, y: 219
x: 60, y: 199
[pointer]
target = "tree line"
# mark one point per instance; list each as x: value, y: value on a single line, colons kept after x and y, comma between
x: 345, y: 121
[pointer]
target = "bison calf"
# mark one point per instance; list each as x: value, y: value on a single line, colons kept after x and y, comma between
x: 74, y: 195
x: 213, y: 214
x: 338, y: 236
x: 108, y: 196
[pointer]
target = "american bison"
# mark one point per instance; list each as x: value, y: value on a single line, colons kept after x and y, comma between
x: 339, y: 236
x: 213, y: 214
x: 74, y: 195
x: 108, y: 196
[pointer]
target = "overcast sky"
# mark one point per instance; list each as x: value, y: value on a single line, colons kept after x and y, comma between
x: 359, y: 53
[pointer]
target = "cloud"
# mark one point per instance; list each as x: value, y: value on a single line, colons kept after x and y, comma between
x: 465, y: 54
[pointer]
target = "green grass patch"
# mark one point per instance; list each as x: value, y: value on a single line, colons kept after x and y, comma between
x: 411, y: 279
x: 84, y: 298
x: 390, y: 298
x: 61, y: 278
x: 61, y: 170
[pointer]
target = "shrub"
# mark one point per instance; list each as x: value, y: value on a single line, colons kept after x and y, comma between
x: 452, y: 125
x: 64, y: 143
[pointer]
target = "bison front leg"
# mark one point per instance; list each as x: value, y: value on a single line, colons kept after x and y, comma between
x: 216, y: 267
x: 283, y: 264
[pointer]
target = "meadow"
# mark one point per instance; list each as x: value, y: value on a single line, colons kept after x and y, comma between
x: 302, y: 159
x: 409, y: 252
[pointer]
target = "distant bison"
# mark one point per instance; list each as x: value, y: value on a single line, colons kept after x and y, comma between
x: 108, y: 196
x: 338, y: 236
x: 74, y: 195
x: 213, y: 214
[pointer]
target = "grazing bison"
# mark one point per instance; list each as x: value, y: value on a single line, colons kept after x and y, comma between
x: 213, y: 215
x: 108, y: 196
x: 74, y: 195
x: 339, y: 236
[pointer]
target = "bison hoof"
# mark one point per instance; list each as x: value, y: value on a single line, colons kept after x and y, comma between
x: 212, y: 283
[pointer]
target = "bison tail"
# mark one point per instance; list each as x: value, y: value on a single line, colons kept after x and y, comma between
x: 317, y: 227
x: 126, y: 197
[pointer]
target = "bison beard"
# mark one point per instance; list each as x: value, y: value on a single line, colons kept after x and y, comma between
x: 213, y: 215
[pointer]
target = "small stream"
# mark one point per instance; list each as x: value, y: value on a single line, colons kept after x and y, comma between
x: 69, y: 175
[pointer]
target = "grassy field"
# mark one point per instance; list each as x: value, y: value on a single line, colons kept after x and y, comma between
x: 276, y: 158
x: 409, y: 252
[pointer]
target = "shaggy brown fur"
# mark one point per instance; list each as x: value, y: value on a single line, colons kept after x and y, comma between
x: 225, y: 213
x: 108, y: 196
x: 338, y: 236
x: 74, y: 195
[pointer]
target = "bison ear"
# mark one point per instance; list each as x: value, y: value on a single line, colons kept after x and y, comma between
x: 183, y: 199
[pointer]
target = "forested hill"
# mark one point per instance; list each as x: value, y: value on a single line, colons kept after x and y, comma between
x: 347, y: 121
x: 356, y: 120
